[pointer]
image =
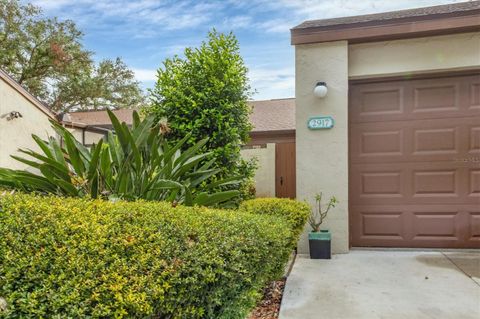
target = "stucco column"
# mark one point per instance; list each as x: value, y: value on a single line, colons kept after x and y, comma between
x: 322, y: 155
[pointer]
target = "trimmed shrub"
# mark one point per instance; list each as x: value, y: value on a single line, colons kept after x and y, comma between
x: 77, y: 258
x: 294, y: 212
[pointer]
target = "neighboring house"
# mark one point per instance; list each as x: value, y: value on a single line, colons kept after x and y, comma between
x: 403, y: 156
x: 272, y: 141
x: 90, y: 126
x: 21, y: 115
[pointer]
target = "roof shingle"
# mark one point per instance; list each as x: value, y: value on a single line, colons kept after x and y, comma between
x: 273, y: 115
x: 100, y: 118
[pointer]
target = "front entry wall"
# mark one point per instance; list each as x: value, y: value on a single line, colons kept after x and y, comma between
x: 322, y: 156
x: 413, y: 181
x: 265, y: 172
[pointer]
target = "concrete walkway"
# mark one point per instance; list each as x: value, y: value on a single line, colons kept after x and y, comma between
x: 385, y: 284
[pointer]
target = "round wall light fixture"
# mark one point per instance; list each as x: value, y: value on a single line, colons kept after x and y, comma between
x: 320, y: 90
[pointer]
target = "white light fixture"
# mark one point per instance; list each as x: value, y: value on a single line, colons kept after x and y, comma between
x: 320, y: 90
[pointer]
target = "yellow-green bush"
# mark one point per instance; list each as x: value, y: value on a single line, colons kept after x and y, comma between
x: 78, y: 258
x: 294, y: 212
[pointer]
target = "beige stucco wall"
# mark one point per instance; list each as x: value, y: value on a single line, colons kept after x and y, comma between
x: 76, y: 132
x: 322, y: 155
x: 265, y: 173
x: 402, y: 57
x: 90, y: 137
x: 93, y: 137
x: 16, y: 133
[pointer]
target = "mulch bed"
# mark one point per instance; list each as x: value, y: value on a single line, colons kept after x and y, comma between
x: 269, y: 306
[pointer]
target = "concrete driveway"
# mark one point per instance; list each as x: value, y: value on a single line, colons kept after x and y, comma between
x: 385, y: 284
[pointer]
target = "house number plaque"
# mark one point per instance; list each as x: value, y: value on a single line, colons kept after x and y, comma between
x: 320, y: 123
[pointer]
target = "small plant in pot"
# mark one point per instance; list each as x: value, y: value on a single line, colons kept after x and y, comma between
x: 320, y: 240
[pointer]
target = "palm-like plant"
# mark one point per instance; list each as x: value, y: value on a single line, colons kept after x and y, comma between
x: 132, y: 163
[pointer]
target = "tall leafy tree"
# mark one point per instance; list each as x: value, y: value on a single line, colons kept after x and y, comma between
x: 46, y: 56
x: 205, y: 94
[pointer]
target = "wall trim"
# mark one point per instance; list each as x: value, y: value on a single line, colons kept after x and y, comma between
x: 415, y: 76
x: 279, y: 136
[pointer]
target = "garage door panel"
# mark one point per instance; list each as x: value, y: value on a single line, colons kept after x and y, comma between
x: 474, y: 95
x: 474, y: 183
x: 438, y: 183
x: 382, y: 184
x: 431, y: 225
x: 385, y: 223
x: 380, y: 100
x: 474, y: 139
x: 414, y: 178
x: 435, y: 183
x: 416, y: 226
x: 442, y: 140
x: 414, y: 183
x: 381, y: 224
x: 446, y: 97
x: 437, y: 97
x: 415, y: 141
x: 377, y: 143
x: 474, y: 234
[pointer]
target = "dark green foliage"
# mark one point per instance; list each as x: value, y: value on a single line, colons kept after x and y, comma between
x: 79, y: 258
x: 134, y: 163
x: 295, y: 212
x: 205, y: 94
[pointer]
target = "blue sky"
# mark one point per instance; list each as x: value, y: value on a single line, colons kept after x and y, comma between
x: 144, y: 32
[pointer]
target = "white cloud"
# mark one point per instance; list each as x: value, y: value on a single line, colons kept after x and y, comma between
x: 238, y: 22
x: 139, y: 14
x: 271, y: 82
x: 145, y: 75
x: 277, y: 26
x: 311, y: 9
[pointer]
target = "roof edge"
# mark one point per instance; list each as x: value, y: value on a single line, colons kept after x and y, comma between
x: 273, y: 132
x: 86, y: 127
x: 20, y: 89
x: 381, y: 29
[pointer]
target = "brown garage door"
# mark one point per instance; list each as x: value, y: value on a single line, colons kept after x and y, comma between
x: 415, y: 162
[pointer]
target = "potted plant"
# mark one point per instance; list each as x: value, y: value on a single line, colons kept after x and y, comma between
x: 319, y: 240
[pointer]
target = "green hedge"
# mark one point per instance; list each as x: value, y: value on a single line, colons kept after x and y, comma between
x: 294, y: 212
x: 77, y: 258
